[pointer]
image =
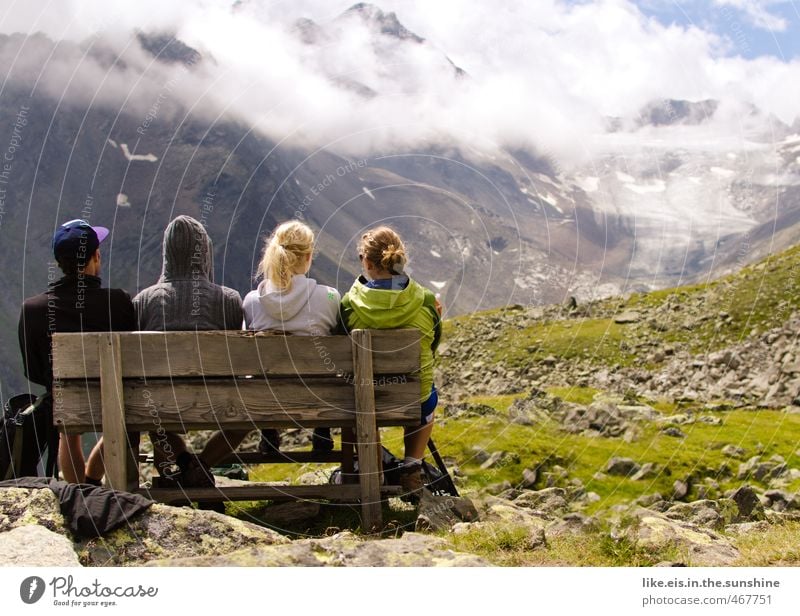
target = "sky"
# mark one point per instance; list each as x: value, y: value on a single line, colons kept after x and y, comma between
x: 546, y: 74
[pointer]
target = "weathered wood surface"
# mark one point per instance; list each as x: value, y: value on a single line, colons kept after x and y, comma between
x: 255, y: 491
x: 226, y: 354
x: 366, y: 431
x: 115, y: 456
x: 190, y: 404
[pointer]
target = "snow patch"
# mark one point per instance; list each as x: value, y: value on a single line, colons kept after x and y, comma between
x: 438, y: 285
x: 151, y: 158
x: 112, y: 143
x: 720, y: 172
x: 122, y: 200
x: 642, y: 189
x: 436, y: 254
x: 588, y: 184
x: 368, y: 193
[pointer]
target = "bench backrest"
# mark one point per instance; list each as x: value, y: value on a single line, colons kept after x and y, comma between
x: 191, y: 380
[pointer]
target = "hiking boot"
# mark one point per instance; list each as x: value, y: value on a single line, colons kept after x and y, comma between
x: 195, y: 474
x: 321, y: 440
x: 412, y: 484
x: 270, y: 442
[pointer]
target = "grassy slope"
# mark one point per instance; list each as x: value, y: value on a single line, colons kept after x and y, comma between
x: 759, y: 297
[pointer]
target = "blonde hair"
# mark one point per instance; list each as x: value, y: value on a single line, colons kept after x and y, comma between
x: 286, y: 251
x: 383, y: 247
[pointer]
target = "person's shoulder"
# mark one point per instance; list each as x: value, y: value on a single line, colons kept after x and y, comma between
x: 231, y: 293
x: 119, y: 296
x: 330, y: 293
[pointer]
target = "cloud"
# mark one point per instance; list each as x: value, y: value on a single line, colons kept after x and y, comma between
x: 541, y: 75
x: 759, y: 13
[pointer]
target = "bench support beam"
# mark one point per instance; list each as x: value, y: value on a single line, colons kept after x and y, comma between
x: 366, y: 431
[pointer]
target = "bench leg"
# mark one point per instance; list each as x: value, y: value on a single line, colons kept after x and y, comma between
x: 115, y: 439
x: 366, y: 431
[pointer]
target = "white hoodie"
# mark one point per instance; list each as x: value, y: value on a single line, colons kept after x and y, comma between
x: 306, y: 309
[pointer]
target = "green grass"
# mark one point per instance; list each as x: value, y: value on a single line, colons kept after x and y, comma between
x: 756, y: 298
x: 759, y: 432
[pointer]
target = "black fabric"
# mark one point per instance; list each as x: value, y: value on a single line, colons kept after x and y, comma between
x: 90, y: 511
x: 24, y: 438
x: 71, y: 304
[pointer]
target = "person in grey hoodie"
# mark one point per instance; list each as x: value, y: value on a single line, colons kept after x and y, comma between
x: 186, y: 298
x: 287, y: 301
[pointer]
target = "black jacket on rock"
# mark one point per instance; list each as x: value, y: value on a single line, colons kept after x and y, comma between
x: 71, y: 304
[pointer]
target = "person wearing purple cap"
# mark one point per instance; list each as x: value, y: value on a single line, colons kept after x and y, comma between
x: 74, y: 303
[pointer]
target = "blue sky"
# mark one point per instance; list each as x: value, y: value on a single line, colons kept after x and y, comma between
x: 751, y: 28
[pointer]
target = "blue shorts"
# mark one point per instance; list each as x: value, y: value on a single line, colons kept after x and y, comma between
x: 429, y: 406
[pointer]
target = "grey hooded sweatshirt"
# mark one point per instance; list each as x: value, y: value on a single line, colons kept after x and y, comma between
x: 305, y: 309
x: 185, y: 297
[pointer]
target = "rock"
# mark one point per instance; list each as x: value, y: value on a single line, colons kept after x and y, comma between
x: 624, y: 467
x: 648, y: 500
x: 629, y: 316
x: 500, y: 458
x: 699, y: 546
x: 680, y: 489
x: 497, y: 488
x: 342, y: 550
x: 647, y: 471
x: 35, y: 546
x: 733, y: 451
x: 781, y: 500
x: 548, y: 502
x: 572, y: 524
x: 21, y: 506
x: 480, y: 455
x: 529, y: 478
x: 749, y: 505
x: 175, y: 532
x: 438, y: 513
x: 673, y: 431
x: 707, y: 513
x: 281, y: 514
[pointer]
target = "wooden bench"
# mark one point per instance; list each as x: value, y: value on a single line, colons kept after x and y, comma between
x: 120, y: 383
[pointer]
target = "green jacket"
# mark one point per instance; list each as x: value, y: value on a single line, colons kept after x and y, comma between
x: 412, y: 307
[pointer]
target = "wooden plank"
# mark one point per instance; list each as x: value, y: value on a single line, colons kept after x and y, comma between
x: 115, y: 441
x: 221, y: 353
x: 191, y: 404
x: 255, y: 492
x: 366, y: 431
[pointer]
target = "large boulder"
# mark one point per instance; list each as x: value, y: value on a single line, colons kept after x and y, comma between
x: 35, y: 546
x: 340, y: 550
x: 695, y: 545
x: 175, y: 532
x: 443, y: 512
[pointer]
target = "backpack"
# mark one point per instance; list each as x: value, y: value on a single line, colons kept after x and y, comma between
x: 26, y: 431
x: 437, y: 479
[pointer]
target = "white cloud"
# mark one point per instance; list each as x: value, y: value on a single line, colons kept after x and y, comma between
x: 759, y: 12
x: 541, y: 74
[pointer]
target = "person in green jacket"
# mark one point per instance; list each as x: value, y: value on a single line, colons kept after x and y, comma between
x: 384, y: 297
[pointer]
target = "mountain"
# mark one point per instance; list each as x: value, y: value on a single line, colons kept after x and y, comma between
x: 111, y: 135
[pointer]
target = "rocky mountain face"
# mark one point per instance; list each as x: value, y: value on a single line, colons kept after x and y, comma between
x: 484, y: 229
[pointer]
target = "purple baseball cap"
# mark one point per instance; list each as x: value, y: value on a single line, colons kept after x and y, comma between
x: 77, y: 240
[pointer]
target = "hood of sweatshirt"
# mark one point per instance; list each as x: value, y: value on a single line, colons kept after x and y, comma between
x: 285, y: 305
x: 187, y: 251
x: 386, y: 308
